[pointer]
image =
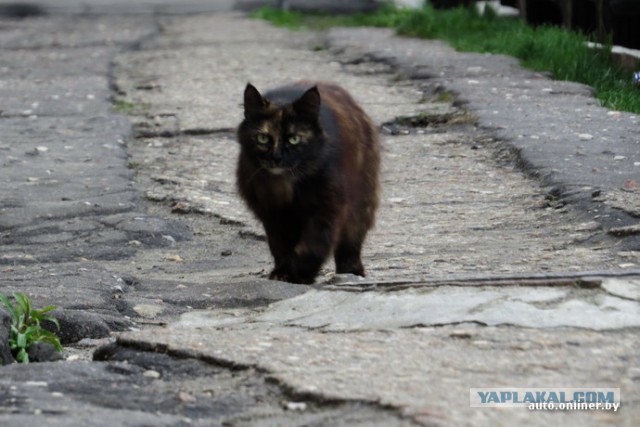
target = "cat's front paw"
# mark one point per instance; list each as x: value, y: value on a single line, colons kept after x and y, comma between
x: 280, y: 276
x: 286, y: 276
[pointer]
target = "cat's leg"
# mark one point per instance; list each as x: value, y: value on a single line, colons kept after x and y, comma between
x: 313, y: 248
x: 347, y: 255
x: 299, y: 255
x: 301, y: 243
x: 282, y: 236
x: 360, y: 219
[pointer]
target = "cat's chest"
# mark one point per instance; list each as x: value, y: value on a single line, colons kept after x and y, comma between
x: 275, y: 191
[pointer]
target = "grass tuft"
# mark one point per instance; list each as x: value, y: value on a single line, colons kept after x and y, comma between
x: 25, y: 326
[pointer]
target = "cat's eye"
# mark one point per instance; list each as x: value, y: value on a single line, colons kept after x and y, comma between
x: 262, y: 138
x: 294, y: 139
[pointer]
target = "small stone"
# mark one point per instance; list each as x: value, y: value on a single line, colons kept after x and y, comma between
x: 618, y: 158
x: 148, y: 311
x: 633, y: 372
x: 461, y: 334
x: 180, y: 208
x: 151, y: 374
x: 169, y: 238
x: 43, y: 352
x: 588, y: 226
x: 631, y: 185
x: 626, y: 265
x: 226, y: 252
x: 585, y: 136
x: 94, y: 342
x: 186, y: 397
x: 295, y: 406
x: 174, y: 258
x: 36, y: 384
x: 484, y: 344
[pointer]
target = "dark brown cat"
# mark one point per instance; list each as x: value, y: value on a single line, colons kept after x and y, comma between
x: 308, y: 169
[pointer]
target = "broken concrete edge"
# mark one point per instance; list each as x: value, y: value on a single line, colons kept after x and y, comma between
x: 78, y: 324
x: 618, y: 221
x: 583, y: 279
x: 292, y: 393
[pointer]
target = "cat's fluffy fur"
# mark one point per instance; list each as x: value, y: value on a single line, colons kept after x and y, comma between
x: 308, y: 169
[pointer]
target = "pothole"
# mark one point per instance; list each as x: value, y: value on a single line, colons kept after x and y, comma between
x: 442, y: 118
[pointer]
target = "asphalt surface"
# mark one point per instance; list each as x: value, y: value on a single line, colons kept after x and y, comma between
x: 508, y: 256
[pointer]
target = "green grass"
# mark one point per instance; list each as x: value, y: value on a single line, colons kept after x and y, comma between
x: 25, y: 326
x: 545, y: 48
x: 126, y: 107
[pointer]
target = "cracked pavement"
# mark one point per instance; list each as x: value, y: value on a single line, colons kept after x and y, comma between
x: 492, y: 263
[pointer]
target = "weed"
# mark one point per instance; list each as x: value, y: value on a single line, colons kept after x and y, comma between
x: 25, y: 326
x: 445, y: 96
x: 126, y: 107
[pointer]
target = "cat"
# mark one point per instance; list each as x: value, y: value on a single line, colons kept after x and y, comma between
x: 309, y: 171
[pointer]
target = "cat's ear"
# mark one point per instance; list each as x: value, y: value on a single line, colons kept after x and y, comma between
x: 254, y: 103
x: 308, y: 105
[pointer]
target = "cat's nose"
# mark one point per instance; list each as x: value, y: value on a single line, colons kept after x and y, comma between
x: 277, y: 157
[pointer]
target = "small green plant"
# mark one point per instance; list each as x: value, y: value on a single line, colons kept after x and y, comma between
x: 25, y: 326
x: 123, y: 106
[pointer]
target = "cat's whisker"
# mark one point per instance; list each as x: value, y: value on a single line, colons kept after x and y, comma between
x: 292, y: 171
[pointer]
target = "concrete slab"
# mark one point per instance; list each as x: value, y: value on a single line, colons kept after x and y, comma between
x: 427, y: 372
x: 547, y: 308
